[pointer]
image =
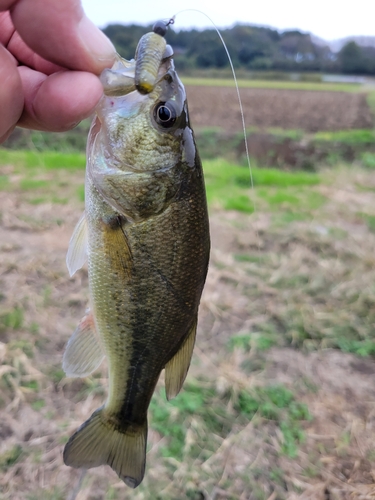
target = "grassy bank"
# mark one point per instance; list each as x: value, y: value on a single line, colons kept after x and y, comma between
x: 280, y: 84
x: 271, y: 147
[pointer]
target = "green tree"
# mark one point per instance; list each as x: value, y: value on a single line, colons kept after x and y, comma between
x: 251, y: 47
x: 208, y: 50
x: 125, y: 38
x: 351, y: 59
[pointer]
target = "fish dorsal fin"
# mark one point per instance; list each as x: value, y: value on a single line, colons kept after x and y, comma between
x: 83, y: 352
x: 77, y: 251
x: 176, y: 369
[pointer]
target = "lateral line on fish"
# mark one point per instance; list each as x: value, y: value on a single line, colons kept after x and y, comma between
x: 168, y: 283
x: 171, y: 21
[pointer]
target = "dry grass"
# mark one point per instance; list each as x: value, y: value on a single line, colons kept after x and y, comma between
x: 273, y: 407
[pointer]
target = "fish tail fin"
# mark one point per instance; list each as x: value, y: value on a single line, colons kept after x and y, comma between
x: 100, y: 441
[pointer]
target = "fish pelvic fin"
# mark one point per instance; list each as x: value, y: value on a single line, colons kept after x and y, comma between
x: 176, y: 369
x: 83, y: 353
x: 77, y: 251
x: 99, y: 441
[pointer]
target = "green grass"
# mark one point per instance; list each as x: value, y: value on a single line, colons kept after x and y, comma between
x: 359, y: 347
x: 49, y: 160
x: 32, y: 385
x: 293, y: 134
x: 23, y: 345
x: 4, y: 182
x: 220, y: 173
x: 200, y: 411
x: 229, y: 186
x: 38, y: 200
x: 308, y: 151
x: 277, y: 403
x: 42, y: 176
x: 369, y: 220
x: 12, y: 319
x: 38, y: 404
x: 269, y: 84
x: 275, y: 177
x: 55, y: 493
x: 294, y: 201
x: 260, y: 340
x: 280, y: 198
x: 288, y: 216
x: 34, y: 184
x: 239, y: 257
x: 10, y: 457
x: 81, y: 193
x: 239, y: 202
x: 351, y: 137
x: 368, y: 160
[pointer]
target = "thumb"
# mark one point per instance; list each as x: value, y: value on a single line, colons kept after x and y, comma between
x: 11, y: 94
x: 60, y: 32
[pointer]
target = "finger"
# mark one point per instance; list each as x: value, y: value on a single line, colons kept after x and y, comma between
x: 11, y: 94
x: 18, y: 48
x: 6, y: 28
x: 6, y: 4
x: 60, y: 32
x: 60, y: 101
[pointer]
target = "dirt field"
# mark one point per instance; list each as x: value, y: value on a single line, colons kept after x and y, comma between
x: 291, y: 109
x: 265, y: 274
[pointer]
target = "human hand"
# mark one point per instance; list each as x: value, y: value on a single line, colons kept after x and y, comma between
x: 50, y: 54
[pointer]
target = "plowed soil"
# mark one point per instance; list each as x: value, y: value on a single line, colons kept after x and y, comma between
x: 291, y: 109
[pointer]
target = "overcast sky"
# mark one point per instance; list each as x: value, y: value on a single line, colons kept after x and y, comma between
x: 327, y: 19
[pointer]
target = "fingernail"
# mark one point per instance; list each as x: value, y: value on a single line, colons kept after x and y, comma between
x: 97, y: 44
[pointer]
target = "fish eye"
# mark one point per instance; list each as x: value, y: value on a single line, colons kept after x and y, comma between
x: 165, y: 114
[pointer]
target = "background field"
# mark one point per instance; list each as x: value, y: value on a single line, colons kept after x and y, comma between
x: 309, y: 110
x: 280, y: 399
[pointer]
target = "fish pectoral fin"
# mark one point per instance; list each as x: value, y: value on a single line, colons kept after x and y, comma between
x: 118, y: 250
x: 99, y: 441
x: 83, y: 353
x: 77, y: 251
x: 176, y: 369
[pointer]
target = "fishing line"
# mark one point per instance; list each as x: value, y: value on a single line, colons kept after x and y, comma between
x: 171, y: 21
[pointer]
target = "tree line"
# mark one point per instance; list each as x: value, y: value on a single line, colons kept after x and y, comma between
x: 251, y: 48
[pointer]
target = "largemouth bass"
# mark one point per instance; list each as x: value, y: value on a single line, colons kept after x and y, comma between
x: 145, y: 236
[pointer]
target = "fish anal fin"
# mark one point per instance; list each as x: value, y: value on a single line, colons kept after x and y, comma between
x: 83, y: 353
x: 176, y: 369
x: 77, y: 251
x: 99, y: 441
